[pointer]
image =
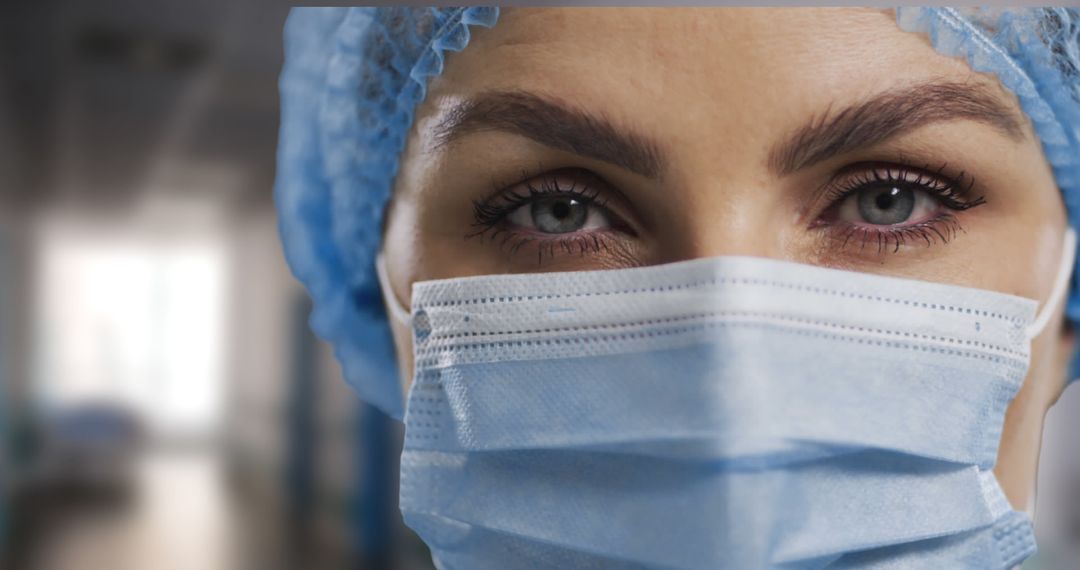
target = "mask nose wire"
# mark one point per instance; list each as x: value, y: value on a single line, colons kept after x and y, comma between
x: 1061, y: 285
x: 398, y: 312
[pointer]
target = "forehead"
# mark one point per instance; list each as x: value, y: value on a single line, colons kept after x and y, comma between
x: 679, y: 70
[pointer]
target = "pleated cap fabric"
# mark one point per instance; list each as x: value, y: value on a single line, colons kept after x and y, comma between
x: 350, y: 86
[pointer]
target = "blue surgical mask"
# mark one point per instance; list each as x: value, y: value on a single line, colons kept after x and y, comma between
x: 727, y: 412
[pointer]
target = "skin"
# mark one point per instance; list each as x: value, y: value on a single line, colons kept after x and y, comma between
x: 715, y: 90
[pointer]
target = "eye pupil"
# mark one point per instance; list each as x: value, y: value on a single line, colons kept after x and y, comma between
x: 560, y: 209
x: 886, y: 206
x: 884, y: 200
x: 559, y: 215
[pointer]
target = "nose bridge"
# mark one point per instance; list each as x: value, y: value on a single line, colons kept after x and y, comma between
x: 732, y: 205
x: 729, y: 215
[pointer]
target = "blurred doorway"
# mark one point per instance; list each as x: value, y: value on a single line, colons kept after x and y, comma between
x: 132, y: 318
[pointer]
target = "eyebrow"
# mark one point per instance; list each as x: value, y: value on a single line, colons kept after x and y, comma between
x: 551, y: 124
x: 887, y: 115
x: 884, y: 116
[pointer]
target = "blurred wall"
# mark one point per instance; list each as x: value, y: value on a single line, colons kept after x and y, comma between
x: 156, y: 122
x: 315, y: 467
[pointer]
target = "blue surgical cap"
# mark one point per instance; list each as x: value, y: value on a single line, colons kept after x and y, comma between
x: 353, y: 78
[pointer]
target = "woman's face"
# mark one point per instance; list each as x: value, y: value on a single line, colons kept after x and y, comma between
x: 572, y: 139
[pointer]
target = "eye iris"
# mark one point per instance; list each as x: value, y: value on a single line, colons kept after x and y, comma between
x: 559, y: 215
x: 886, y: 206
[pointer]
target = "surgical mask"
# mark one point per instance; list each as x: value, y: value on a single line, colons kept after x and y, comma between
x: 728, y: 412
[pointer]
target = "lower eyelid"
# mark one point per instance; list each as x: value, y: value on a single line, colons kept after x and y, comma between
x: 551, y: 246
x: 870, y: 239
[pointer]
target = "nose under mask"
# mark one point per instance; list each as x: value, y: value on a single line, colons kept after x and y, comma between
x: 725, y: 412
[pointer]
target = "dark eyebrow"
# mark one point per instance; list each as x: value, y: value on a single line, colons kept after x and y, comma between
x: 887, y: 115
x: 552, y: 124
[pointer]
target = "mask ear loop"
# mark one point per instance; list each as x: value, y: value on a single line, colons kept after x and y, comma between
x: 398, y: 312
x: 1061, y: 285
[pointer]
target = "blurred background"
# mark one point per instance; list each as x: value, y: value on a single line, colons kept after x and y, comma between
x: 162, y: 402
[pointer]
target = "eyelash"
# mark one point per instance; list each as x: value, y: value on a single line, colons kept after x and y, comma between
x: 489, y: 215
x: 953, y: 193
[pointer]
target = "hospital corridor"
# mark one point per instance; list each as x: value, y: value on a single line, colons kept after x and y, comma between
x: 171, y: 491
x: 164, y: 403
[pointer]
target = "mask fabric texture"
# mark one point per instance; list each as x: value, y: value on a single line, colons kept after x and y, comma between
x: 728, y: 412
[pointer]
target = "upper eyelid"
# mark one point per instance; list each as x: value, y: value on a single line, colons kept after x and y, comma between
x: 959, y: 187
x: 605, y: 194
x: 532, y: 193
x: 904, y: 172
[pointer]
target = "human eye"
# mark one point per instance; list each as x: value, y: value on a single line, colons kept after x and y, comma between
x: 557, y: 213
x: 890, y: 206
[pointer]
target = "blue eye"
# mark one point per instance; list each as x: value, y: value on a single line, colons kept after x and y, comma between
x: 897, y: 196
x: 887, y: 205
x: 558, y: 214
